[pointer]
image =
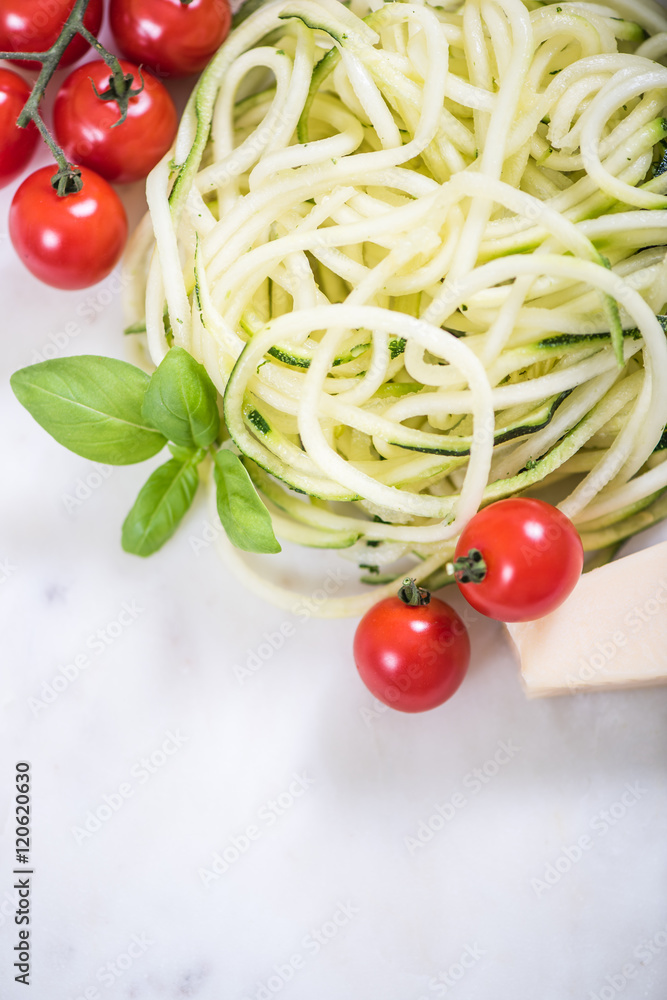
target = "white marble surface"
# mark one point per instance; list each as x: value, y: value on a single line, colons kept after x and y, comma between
x: 324, y: 897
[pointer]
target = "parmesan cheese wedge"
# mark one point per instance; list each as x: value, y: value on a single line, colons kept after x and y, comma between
x: 611, y: 632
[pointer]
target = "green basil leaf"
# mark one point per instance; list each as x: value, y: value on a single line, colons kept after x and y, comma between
x: 160, y: 507
x: 194, y: 455
x: 242, y: 514
x: 181, y: 401
x: 92, y: 406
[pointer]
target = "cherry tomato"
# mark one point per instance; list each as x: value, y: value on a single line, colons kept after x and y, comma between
x: 33, y: 26
x: 16, y: 144
x: 531, y: 559
x: 85, y: 125
x: 412, y: 657
x: 68, y: 242
x: 170, y: 37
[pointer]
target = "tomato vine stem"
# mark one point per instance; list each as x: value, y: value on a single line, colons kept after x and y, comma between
x: 413, y: 595
x: 67, y: 179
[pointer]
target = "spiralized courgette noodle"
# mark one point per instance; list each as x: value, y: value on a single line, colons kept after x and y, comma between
x: 421, y: 251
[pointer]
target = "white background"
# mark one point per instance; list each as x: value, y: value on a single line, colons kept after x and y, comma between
x: 340, y: 859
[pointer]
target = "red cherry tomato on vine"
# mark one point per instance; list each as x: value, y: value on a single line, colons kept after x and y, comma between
x: 33, y: 26
x: 16, y: 144
x: 170, y: 37
x: 532, y: 558
x: 412, y: 657
x: 68, y: 242
x: 85, y: 126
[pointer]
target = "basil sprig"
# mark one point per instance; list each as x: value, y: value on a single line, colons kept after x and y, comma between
x: 112, y: 412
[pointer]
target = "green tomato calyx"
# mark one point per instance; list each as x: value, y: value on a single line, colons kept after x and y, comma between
x: 471, y: 568
x: 413, y: 595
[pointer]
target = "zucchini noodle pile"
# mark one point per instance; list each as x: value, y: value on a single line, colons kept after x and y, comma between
x: 421, y: 251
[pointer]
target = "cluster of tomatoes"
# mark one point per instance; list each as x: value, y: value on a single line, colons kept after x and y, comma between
x: 74, y: 240
x: 516, y: 560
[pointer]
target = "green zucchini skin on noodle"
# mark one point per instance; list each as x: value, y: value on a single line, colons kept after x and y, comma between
x: 537, y: 420
x: 262, y: 433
